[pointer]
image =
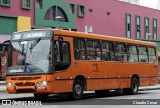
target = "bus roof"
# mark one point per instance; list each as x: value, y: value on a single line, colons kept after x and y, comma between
x: 101, y: 37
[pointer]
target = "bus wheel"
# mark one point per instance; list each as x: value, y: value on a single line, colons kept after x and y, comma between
x: 41, y: 97
x: 101, y: 92
x: 77, y: 90
x: 133, y: 88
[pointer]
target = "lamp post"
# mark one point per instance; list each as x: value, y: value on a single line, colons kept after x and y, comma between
x: 58, y: 19
x: 149, y: 35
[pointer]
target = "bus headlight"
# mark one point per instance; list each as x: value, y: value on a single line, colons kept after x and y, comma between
x: 42, y: 83
x: 10, y: 84
x: 45, y: 82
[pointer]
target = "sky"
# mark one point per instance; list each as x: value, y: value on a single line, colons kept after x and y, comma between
x: 149, y: 3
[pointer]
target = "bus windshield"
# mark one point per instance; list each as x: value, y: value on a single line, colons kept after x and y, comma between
x: 31, y: 56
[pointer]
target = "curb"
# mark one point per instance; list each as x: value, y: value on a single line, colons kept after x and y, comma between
x: 144, y: 89
x: 2, y: 88
x: 2, y: 84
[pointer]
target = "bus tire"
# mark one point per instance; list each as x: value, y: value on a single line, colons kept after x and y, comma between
x: 41, y: 97
x: 77, y: 90
x: 133, y: 87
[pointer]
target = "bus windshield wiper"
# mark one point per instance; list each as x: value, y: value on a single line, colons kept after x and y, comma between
x: 34, y: 43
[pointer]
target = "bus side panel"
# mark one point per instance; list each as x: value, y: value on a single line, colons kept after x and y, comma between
x: 91, y: 70
x: 63, y: 80
x: 61, y: 86
x: 110, y: 76
x: 95, y: 70
x: 144, y: 74
x: 118, y: 75
x: 153, y: 81
x: 83, y: 69
x: 125, y: 73
x: 153, y: 73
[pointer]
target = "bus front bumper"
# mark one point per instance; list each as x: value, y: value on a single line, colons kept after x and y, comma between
x: 38, y: 88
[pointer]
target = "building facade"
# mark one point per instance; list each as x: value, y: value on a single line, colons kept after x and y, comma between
x: 108, y: 17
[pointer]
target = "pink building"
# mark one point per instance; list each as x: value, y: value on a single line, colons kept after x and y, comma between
x: 110, y: 17
x: 10, y: 10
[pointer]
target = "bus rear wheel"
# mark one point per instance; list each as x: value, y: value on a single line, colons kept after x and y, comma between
x: 77, y: 90
x: 41, y: 97
x: 133, y: 87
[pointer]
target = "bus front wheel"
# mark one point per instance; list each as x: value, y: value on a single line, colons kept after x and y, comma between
x: 133, y: 87
x: 77, y: 90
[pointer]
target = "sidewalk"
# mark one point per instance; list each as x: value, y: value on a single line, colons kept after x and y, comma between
x: 156, y: 87
x: 2, y: 86
x: 2, y: 83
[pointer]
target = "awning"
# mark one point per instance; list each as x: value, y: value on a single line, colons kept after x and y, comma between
x: 4, y: 38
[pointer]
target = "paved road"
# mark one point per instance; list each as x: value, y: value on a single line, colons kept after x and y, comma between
x: 112, y: 100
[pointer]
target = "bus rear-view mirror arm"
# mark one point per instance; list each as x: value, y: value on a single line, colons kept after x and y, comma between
x: 4, y: 47
x: 3, y: 50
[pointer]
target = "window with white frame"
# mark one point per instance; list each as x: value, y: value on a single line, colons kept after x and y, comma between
x: 155, y: 29
x: 146, y: 25
x: 88, y: 29
x: 138, y: 27
x: 6, y: 3
x: 128, y: 25
x: 26, y: 4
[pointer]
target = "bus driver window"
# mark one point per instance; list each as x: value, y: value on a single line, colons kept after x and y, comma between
x: 61, y: 55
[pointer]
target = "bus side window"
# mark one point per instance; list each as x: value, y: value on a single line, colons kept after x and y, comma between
x: 79, y: 49
x: 132, y: 53
x: 152, y: 54
x: 143, y: 56
x: 121, y: 52
x: 93, y: 50
x: 108, y: 51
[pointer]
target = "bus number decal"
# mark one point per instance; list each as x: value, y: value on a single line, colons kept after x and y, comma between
x: 96, y: 68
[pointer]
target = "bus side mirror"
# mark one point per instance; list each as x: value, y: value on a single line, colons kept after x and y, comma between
x: 4, y: 47
x: 3, y: 50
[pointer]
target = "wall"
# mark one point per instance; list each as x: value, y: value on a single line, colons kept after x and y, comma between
x: 115, y: 23
x: 7, y: 25
x: 16, y: 10
x: 47, y: 4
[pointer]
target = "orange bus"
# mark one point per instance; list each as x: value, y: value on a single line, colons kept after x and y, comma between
x: 46, y: 62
